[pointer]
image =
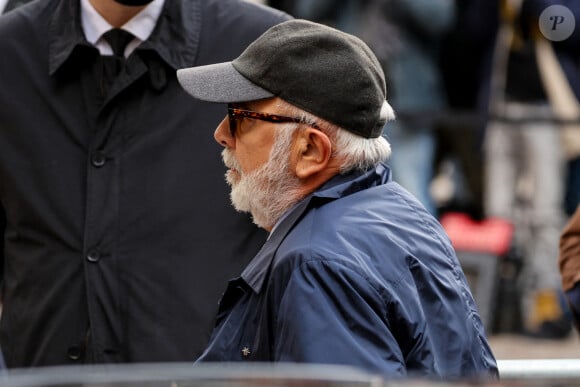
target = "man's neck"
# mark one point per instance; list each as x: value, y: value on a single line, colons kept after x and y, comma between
x: 115, y: 13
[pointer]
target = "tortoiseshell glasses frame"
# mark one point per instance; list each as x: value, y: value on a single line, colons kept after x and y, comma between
x: 234, y: 113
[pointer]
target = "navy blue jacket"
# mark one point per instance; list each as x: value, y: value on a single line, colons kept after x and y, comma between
x: 357, y: 274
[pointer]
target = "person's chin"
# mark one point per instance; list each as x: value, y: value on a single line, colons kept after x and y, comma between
x: 239, y: 201
x: 241, y: 208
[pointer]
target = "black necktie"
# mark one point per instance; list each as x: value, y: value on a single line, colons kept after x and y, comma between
x: 112, y: 65
x: 118, y: 39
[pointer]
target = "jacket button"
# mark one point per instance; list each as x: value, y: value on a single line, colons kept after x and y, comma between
x: 74, y: 352
x: 93, y: 256
x: 98, y: 159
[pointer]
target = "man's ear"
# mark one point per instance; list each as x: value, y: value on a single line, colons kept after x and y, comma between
x: 312, y: 153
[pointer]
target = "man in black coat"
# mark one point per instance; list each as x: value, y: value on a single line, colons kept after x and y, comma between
x: 118, y: 234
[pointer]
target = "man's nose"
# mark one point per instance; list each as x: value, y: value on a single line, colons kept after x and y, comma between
x: 222, y: 134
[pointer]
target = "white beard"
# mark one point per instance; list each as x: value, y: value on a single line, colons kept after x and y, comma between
x: 268, y: 191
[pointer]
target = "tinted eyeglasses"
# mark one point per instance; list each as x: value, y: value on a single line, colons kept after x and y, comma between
x: 235, y: 113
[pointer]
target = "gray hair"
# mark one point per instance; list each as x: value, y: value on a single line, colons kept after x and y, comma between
x: 357, y: 153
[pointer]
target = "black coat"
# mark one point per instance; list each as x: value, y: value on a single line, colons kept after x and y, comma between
x: 119, y: 234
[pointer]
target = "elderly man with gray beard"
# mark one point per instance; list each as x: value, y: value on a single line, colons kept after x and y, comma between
x: 355, y: 270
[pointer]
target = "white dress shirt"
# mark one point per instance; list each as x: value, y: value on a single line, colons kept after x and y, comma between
x: 2, y: 5
x: 141, y: 26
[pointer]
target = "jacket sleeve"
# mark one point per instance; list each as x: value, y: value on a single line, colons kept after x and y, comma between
x: 569, y: 259
x: 330, y: 314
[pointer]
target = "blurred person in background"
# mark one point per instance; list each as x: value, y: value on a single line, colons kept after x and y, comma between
x: 106, y: 236
x: 459, y: 156
x: 524, y: 175
x: 416, y: 86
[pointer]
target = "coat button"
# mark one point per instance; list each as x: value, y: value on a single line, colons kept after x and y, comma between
x: 74, y: 352
x: 93, y: 256
x: 98, y: 159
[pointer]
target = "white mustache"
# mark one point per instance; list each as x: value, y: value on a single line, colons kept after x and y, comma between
x: 230, y: 161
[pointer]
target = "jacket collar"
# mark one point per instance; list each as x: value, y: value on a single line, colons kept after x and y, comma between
x: 175, y: 38
x: 339, y: 186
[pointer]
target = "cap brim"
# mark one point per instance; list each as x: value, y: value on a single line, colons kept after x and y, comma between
x: 219, y: 82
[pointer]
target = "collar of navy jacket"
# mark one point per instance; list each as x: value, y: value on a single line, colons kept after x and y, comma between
x: 339, y: 186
